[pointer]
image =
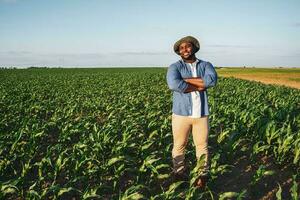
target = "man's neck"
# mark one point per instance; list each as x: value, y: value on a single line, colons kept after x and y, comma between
x: 190, y: 60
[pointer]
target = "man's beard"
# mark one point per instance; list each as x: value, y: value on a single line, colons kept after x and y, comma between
x: 190, y: 57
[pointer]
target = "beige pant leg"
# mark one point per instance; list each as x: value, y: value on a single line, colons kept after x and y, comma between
x: 181, y: 126
x: 200, y: 137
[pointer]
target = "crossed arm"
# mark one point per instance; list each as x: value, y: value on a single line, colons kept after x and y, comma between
x: 194, y: 84
x: 177, y: 83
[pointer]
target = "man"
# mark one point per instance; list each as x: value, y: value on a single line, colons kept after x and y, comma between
x: 189, y: 78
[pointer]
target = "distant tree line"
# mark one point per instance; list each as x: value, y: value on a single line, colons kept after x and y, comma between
x: 11, y: 67
x: 32, y: 67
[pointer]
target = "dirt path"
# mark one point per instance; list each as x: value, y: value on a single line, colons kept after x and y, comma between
x: 277, y: 79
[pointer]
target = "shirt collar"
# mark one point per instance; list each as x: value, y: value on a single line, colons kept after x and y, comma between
x: 194, y: 63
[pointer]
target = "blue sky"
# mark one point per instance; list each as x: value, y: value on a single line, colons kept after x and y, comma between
x: 78, y: 33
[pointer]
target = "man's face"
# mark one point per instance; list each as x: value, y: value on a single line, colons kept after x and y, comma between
x: 186, y: 50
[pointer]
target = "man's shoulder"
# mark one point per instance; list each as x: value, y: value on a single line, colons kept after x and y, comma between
x: 176, y: 64
x: 205, y: 63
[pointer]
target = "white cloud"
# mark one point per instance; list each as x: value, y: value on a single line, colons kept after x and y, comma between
x: 141, y: 53
x: 232, y: 57
x: 229, y: 46
x: 296, y: 24
x: 27, y: 59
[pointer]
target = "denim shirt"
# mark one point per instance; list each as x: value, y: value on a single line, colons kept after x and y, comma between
x: 182, y: 102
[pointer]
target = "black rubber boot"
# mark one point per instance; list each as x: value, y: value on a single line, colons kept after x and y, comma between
x: 179, y: 176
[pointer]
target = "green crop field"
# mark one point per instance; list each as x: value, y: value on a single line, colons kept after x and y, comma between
x: 106, y: 134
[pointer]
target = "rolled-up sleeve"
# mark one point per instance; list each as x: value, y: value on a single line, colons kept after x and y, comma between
x: 174, y: 80
x: 210, y: 76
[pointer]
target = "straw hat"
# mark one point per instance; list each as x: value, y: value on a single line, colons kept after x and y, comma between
x: 190, y: 39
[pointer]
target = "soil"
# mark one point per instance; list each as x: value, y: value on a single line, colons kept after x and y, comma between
x: 277, y: 79
x: 242, y: 173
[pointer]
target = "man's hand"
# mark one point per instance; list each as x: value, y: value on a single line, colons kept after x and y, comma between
x: 195, y: 84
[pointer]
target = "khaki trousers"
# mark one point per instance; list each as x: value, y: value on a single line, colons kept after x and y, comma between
x: 181, y: 127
